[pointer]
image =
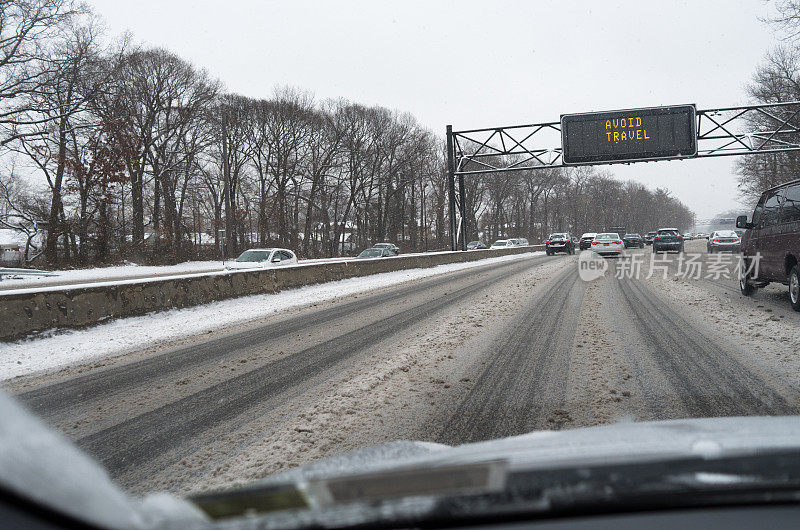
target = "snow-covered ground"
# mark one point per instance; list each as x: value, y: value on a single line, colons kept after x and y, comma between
x: 136, y: 333
x: 123, y: 273
x: 105, y: 274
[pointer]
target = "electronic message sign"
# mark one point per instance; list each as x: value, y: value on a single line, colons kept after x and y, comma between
x: 629, y: 135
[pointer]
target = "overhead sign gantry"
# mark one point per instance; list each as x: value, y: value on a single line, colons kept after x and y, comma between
x: 611, y: 137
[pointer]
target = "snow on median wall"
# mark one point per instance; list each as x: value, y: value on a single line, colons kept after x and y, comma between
x: 27, y: 311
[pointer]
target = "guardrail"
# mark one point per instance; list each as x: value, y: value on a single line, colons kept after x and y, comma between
x: 27, y: 311
x: 10, y: 271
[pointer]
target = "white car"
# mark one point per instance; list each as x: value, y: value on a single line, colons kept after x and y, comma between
x: 262, y: 258
x: 608, y: 244
x: 502, y: 243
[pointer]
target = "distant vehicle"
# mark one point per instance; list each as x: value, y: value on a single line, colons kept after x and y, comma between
x: 262, y: 258
x: 702, y: 235
x: 501, y: 243
x: 633, y: 241
x: 513, y: 242
x: 523, y: 242
x: 648, y: 238
x: 668, y: 239
x: 476, y: 245
x: 376, y: 253
x: 608, y: 244
x: 559, y: 242
x: 774, y: 235
x: 688, y: 236
x: 391, y: 246
x: 585, y: 241
x: 724, y: 240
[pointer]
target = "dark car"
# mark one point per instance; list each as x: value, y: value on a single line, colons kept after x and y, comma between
x: 649, y: 237
x: 668, y: 239
x: 559, y: 242
x: 585, y: 242
x: 633, y: 241
x: 371, y: 253
x: 771, y: 244
x: 391, y: 246
x: 476, y: 245
x: 723, y: 240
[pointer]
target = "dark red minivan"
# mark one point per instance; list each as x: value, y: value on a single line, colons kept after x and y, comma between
x: 773, y: 240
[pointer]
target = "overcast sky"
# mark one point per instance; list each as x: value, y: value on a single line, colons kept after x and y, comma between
x: 477, y: 64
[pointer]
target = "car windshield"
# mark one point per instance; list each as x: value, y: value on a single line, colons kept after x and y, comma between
x: 254, y: 255
x: 185, y: 187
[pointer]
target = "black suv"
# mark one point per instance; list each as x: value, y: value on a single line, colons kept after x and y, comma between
x: 633, y: 241
x: 559, y: 242
x: 668, y: 239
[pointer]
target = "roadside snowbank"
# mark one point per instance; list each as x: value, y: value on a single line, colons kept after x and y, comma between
x: 159, y: 329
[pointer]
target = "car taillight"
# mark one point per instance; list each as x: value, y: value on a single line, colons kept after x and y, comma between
x: 679, y: 237
x: 735, y: 240
x: 548, y: 241
x: 657, y: 237
x: 717, y: 240
x: 618, y: 242
x: 594, y: 242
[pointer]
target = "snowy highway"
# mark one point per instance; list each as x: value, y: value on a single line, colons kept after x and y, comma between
x: 488, y: 351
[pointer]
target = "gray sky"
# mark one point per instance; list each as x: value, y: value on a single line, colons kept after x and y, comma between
x: 476, y: 64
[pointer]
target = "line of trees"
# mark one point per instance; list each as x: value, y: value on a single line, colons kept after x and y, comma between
x: 115, y: 151
x: 535, y: 203
x: 776, y: 80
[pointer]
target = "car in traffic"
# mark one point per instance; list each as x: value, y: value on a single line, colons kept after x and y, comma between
x: 501, y: 243
x: 608, y: 244
x: 649, y: 237
x: 723, y: 240
x: 391, y: 246
x: 771, y: 244
x: 371, y: 253
x: 585, y: 242
x: 668, y: 239
x: 522, y: 242
x: 559, y: 242
x: 476, y: 245
x: 262, y: 258
x: 633, y: 241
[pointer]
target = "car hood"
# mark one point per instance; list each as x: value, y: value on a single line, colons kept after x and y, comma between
x: 622, y: 442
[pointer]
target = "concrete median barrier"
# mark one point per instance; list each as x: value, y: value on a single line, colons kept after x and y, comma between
x: 28, y: 311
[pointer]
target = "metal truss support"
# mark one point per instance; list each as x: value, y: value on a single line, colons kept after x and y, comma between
x: 730, y: 131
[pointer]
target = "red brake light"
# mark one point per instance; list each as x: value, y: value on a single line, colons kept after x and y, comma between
x: 618, y: 242
x: 594, y: 242
x: 715, y: 240
x: 548, y: 241
x: 657, y: 237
